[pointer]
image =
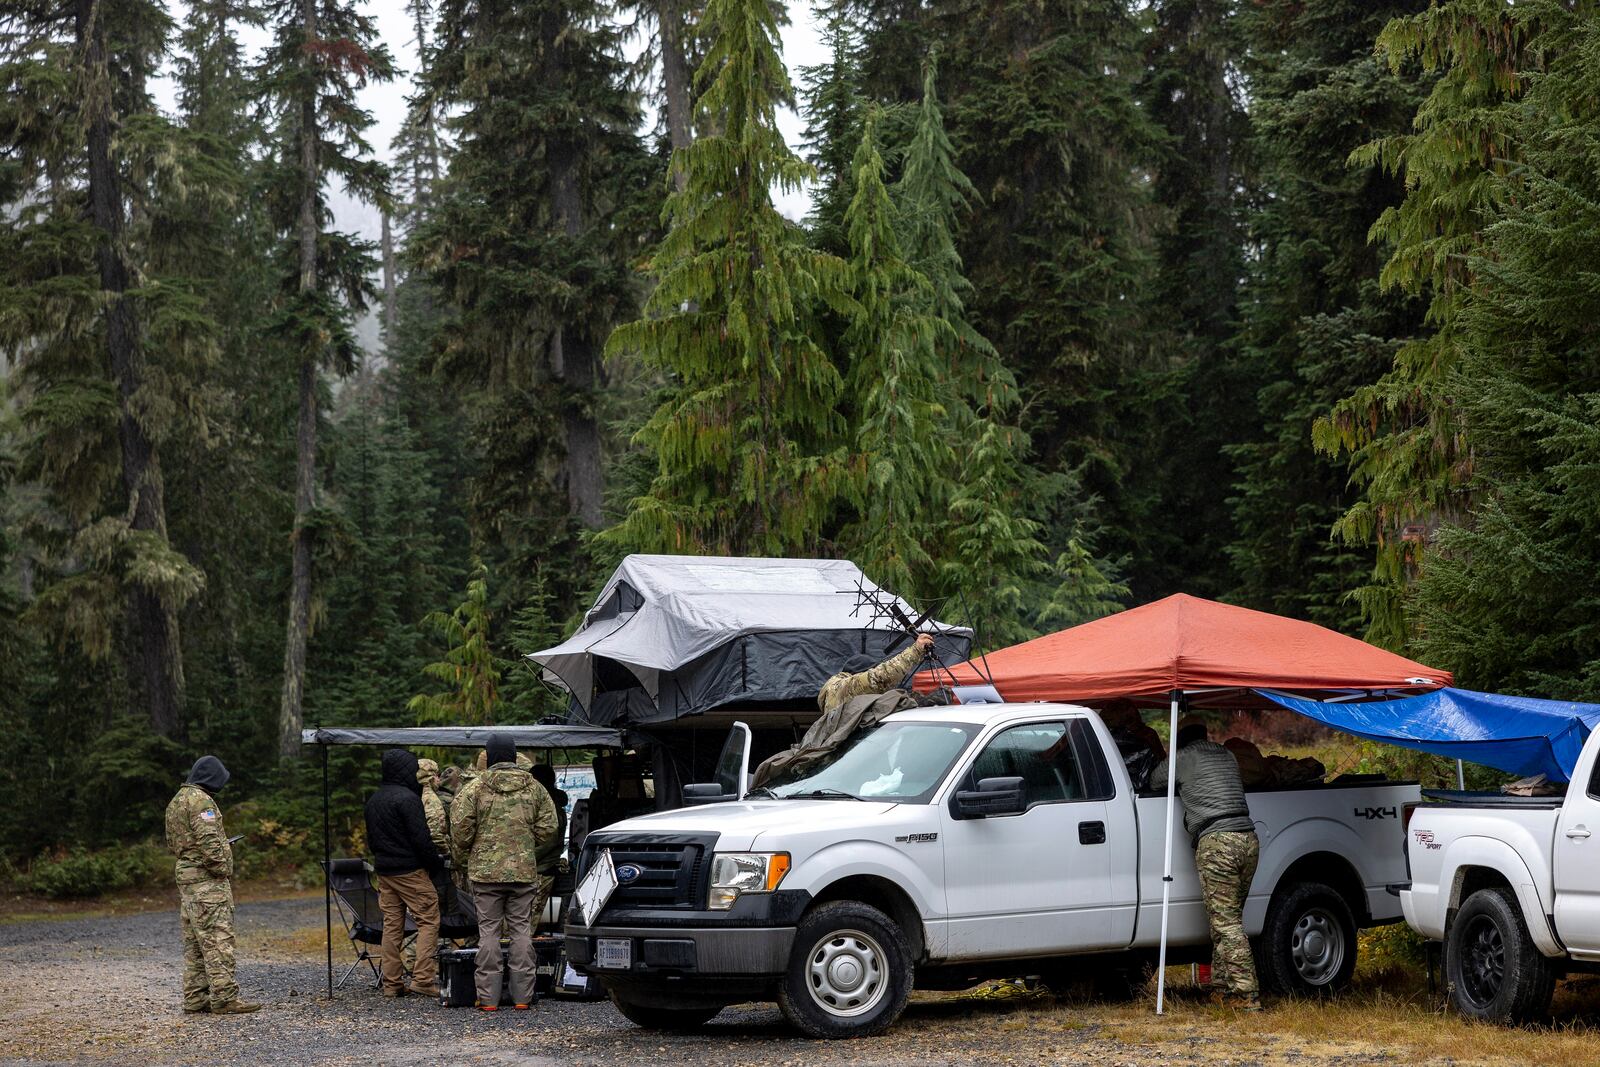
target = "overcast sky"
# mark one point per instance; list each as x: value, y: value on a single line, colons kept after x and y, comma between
x: 387, y: 103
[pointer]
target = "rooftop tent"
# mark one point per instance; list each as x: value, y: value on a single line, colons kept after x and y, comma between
x: 1519, y: 735
x: 1210, y: 651
x: 671, y: 636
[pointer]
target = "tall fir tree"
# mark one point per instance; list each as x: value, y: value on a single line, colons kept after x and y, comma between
x: 832, y: 106
x: 749, y: 444
x: 324, y: 51
x: 529, y: 247
x: 1408, y: 450
x: 111, y: 335
x: 1507, y: 596
x: 1314, y: 323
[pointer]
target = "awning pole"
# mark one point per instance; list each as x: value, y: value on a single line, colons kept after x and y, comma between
x: 1461, y: 776
x: 1166, y: 870
x: 327, y: 859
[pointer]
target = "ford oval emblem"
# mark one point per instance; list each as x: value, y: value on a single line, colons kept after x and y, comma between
x: 628, y: 873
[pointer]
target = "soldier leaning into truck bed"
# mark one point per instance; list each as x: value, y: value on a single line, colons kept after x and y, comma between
x: 862, y: 675
x: 1226, y: 851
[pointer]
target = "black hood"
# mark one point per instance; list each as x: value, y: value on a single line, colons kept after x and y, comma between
x: 400, y: 768
x: 208, y: 773
x: 500, y: 749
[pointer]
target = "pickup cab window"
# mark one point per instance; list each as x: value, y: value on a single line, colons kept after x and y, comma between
x: 901, y: 761
x: 1041, y: 754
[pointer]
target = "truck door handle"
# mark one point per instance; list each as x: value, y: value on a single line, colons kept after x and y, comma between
x: 1578, y: 833
x: 1091, y: 833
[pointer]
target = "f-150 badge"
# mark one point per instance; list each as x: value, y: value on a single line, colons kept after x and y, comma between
x: 916, y: 839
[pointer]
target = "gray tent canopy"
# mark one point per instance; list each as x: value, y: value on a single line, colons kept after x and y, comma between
x: 671, y: 636
x: 558, y: 736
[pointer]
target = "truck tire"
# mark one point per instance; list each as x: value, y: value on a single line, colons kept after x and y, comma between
x: 1308, y: 943
x: 652, y: 1017
x: 1493, y: 969
x: 850, y: 973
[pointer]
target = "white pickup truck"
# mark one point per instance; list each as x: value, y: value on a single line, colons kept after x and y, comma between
x: 946, y: 845
x: 1511, y: 885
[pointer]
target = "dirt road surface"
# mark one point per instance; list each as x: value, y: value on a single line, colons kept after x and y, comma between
x: 105, y: 991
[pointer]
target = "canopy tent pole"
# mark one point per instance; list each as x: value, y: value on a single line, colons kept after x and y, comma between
x: 1461, y: 776
x: 327, y: 859
x: 1166, y: 869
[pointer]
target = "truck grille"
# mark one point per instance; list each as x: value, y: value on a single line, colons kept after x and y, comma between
x: 672, y: 871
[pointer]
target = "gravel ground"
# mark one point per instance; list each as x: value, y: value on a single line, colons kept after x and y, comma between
x: 105, y: 990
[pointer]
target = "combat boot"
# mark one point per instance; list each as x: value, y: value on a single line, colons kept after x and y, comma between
x: 236, y: 1007
x: 1244, y: 1001
x: 203, y: 1009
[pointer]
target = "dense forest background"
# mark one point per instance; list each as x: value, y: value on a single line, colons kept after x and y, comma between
x: 1291, y: 303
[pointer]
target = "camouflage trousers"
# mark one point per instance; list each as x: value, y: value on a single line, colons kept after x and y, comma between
x: 1227, y: 861
x: 205, y: 910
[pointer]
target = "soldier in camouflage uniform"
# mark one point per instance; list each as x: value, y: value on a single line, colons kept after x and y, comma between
x: 861, y: 676
x: 432, y: 806
x: 204, y: 872
x: 1226, y: 850
x: 498, y: 825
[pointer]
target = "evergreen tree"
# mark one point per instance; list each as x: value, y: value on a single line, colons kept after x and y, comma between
x: 526, y: 698
x: 470, y: 670
x: 1507, y: 597
x: 1406, y: 446
x: 111, y: 336
x: 894, y: 384
x: 749, y: 442
x: 833, y: 129
x: 1315, y: 324
x: 987, y: 552
x: 323, y: 52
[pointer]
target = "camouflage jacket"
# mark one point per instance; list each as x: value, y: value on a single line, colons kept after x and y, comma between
x: 196, y: 837
x: 885, y: 676
x: 438, y: 819
x: 498, y: 823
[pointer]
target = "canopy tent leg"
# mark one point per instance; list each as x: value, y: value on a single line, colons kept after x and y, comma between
x: 327, y: 859
x: 1166, y: 869
x: 1461, y: 776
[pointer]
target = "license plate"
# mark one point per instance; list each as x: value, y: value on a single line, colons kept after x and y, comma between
x: 613, y: 953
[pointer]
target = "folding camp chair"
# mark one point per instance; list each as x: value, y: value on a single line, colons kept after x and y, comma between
x: 352, y: 883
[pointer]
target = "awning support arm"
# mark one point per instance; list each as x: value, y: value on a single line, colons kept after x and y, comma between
x: 1166, y: 867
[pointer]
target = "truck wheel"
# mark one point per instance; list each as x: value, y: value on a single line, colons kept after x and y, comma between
x: 1493, y: 968
x: 1308, y: 944
x: 653, y: 1018
x: 849, y: 974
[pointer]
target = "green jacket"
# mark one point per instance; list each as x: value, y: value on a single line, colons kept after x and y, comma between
x: 498, y: 824
x: 196, y: 837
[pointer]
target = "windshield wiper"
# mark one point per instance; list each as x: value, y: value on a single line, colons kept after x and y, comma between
x: 761, y: 789
x: 825, y: 793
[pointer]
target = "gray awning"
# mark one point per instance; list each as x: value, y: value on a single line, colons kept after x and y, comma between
x: 550, y: 736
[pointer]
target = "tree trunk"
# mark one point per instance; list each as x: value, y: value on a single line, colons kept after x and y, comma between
x: 388, y: 282
x: 156, y: 654
x: 676, y: 81
x: 291, y: 714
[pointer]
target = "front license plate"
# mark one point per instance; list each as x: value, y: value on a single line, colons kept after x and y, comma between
x: 613, y: 953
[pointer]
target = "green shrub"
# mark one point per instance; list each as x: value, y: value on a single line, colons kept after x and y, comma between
x: 79, y: 873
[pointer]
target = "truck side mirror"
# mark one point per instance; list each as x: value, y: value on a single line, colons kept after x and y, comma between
x: 705, y: 793
x: 994, y: 796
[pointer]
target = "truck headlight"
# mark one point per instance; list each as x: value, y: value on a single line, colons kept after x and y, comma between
x: 733, y: 873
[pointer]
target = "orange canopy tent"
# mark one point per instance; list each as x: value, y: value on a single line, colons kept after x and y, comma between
x: 1186, y: 644
x: 1185, y: 651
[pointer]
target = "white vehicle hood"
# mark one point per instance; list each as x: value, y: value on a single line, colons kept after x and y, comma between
x: 738, y: 824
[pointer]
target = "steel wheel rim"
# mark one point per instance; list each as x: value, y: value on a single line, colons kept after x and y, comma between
x: 846, y: 973
x: 1482, y: 968
x: 1317, y: 946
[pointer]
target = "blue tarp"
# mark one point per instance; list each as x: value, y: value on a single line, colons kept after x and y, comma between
x: 1521, y: 735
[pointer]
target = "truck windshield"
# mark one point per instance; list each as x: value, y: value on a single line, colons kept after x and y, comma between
x: 902, y: 761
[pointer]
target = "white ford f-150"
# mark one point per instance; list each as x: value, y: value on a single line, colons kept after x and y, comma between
x: 946, y: 845
x: 1511, y: 885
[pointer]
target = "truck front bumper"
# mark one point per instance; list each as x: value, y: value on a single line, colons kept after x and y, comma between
x: 751, y: 940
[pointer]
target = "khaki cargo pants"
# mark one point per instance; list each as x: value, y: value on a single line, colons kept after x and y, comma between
x: 205, y: 910
x: 398, y: 894
x: 1226, y: 861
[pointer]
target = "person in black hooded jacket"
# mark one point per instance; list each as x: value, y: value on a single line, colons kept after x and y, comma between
x: 406, y: 861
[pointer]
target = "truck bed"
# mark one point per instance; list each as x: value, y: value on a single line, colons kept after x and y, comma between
x: 1470, y: 799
